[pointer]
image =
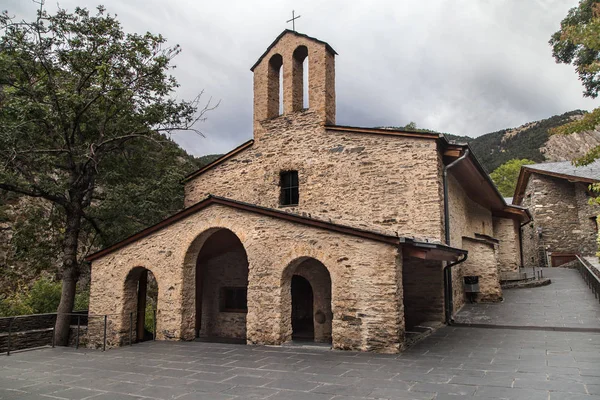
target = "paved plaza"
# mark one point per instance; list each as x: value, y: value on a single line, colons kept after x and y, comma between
x: 566, y: 302
x: 453, y: 363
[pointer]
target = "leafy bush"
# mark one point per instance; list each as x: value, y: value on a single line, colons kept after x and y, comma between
x: 149, y: 320
x: 82, y: 300
x: 43, y: 297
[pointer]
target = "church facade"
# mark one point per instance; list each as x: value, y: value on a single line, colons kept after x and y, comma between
x: 314, y: 231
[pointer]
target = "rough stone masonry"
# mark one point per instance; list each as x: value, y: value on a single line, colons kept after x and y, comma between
x: 366, y: 228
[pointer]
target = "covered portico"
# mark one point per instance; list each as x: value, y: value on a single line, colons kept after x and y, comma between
x: 230, y: 269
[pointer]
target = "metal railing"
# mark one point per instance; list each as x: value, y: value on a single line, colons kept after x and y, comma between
x: 590, y: 278
x: 42, y: 324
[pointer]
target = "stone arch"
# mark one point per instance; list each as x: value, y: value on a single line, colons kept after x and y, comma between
x: 274, y: 77
x: 300, y: 78
x: 216, y: 277
x: 315, y: 273
x: 139, y: 287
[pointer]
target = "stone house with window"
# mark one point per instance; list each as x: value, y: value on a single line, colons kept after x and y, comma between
x: 564, y: 224
x: 312, y: 230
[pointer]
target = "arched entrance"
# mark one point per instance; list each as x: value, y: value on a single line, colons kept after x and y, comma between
x: 306, y: 299
x: 303, y: 327
x: 141, y: 291
x: 221, y: 287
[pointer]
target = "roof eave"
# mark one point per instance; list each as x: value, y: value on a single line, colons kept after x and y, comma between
x: 295, y: 218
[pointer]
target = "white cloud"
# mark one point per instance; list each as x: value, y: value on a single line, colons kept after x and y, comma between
x: 465, y: 66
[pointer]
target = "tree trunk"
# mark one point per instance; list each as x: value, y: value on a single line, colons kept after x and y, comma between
x: 70, y: 275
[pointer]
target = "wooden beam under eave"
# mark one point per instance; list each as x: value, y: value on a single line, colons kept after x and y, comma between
x: 414, y: 253
x: 432, y: 254
x: 452, y: 153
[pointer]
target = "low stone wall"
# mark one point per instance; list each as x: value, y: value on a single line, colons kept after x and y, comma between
x: 31, y: 331
x: 39, y: 338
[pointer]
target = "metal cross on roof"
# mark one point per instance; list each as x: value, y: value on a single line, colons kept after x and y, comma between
x: 293, y: 21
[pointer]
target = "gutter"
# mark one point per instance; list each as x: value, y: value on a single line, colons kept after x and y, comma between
x: 448, y: 300
x: 521, y: 226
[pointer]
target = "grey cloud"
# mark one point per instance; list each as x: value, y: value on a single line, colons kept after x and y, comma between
x: 460, y: 66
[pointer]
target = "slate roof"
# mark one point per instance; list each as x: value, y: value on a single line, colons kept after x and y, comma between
x: 562, y: 170
x: 591, y: 171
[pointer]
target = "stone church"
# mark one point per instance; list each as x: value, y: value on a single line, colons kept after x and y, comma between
x: 312, y: 230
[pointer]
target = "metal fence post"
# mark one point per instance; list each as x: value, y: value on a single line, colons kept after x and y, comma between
x: 104, y: 342
x: 78, y: 325
x: 154, y: 325
x: 9, y: 333
x: 54, y: 333
x: 130, y: 327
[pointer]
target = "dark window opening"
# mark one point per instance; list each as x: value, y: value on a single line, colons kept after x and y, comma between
x: 234, y: 299
x: 289, y: 188
x: 594, y: 223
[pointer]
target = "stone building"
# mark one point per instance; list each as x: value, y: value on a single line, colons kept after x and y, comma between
x: 564, y: 223
x: 316, y: 231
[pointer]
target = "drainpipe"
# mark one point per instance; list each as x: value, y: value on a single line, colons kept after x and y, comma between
x: 521, y: 226
x: 447, y: 271
x: 448, y: 301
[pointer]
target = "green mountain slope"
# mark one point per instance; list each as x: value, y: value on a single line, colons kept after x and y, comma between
x: 496, y: 148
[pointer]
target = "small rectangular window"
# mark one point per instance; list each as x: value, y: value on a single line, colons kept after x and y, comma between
x: 289, y: 188
x: 233, y: 299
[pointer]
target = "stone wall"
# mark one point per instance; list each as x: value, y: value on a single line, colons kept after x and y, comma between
x: 483, y: 262
x: 368, y: 181
x: 365, y: 276
x: 562, y: 214
x: 509, y: 259
x: 586, y: 214
x: 32, y: 331
x: 423, y: 283
x: 467, y: 218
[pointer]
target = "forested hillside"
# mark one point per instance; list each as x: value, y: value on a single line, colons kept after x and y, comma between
x: 525, y: 142
x: 145, y: 188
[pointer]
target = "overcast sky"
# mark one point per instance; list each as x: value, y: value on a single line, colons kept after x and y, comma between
x: 466, y: 67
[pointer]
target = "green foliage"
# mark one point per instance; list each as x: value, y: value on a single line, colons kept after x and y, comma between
x: 505, y: 176
x: 493, y: 149
x: 411, y: 127
x: 149, y: 317
x: 82, y: 300
x: 86, y: 114
x: 43, y: 297
x: 14, y: 303
x: 578, y: 43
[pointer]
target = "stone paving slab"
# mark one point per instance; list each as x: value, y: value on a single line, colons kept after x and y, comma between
x: 566, y: 303
x: 453, y: 363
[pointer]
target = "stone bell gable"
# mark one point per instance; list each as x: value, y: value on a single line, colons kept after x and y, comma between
x: 286, y: 56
